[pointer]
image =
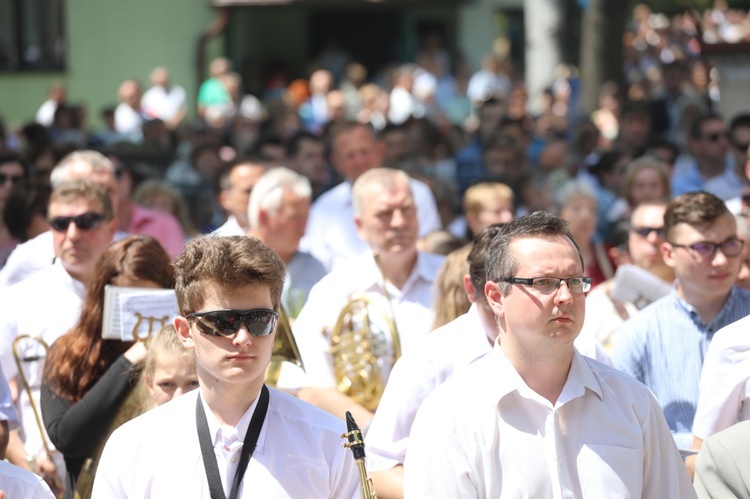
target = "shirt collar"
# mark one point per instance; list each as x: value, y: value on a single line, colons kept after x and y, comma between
x: 74, y: 284
x: 219, y: 436
x: 372, y: 275
x: 692, y: 312
x: 580, y: 378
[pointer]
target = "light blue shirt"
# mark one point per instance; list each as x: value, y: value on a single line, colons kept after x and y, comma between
x: 663, y: 347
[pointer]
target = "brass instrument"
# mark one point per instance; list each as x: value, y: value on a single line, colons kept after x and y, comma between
x: 284, y: 349
x: 55, y: 485
x: 357, y: 344
x: 356, y: 443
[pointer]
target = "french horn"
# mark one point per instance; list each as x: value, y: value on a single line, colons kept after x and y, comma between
x: 360, y: 349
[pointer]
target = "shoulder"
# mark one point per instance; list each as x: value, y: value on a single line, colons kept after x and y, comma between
x: 157, y: 426
x: 302, y: 418
x: 735, y: 439
x: 332, y: 198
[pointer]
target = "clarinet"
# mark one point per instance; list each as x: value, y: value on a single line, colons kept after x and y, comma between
x: 356, y: 443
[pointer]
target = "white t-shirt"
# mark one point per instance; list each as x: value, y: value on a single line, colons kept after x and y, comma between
x: 298, y: 454
x: 485, y: 433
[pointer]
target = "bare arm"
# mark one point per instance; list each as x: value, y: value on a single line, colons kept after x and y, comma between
x: 389, y: 483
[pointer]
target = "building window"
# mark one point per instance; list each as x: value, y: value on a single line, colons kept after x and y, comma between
x: 31, y: 35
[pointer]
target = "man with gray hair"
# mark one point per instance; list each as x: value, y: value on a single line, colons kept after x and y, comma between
x: 393, y: 279
x: 48, y: 304
x: 277, y: 215
x: 38, y: 253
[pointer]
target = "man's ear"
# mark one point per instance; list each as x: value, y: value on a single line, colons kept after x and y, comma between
x: 667, y: 254
x: 471, y: 293
x: 495, y: 298
x: 360, y: 229
x: 223, y: 200
x: 184, y: 333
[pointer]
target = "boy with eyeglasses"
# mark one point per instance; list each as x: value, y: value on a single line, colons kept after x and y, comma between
x: 233, y: 437
x: 664, y: 345
x: 534, y: 418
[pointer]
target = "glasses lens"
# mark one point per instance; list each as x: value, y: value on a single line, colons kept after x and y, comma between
x: 259, y: 322
x: 733, y: 247
x: 88, y: 221
x: 645, y: 231
x: 546, y: 285
x: 60, y: 224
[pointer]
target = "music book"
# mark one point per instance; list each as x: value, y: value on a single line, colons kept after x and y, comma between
x: 136, y: 313
x: 637, y: 286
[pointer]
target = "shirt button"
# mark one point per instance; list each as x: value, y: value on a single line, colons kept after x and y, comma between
x: 234, y: 459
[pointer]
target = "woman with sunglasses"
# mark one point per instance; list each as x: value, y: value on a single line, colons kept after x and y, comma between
x: 87, y: 380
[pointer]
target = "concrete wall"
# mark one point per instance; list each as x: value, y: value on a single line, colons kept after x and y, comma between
x: 109, y: 41
x: 478, y: 29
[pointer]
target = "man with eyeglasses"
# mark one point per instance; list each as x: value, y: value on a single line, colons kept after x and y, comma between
x: 534, y: 418
x: 607, y: 313
x: 48, y: 304
x: 233, y: 437
x: 38, y: 253
x: 708, y: 167
x: 664, y: 345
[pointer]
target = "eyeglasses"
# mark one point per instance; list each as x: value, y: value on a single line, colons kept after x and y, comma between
x: 258, y: 321
x: 547, y: 285
x: 741, y: 146
x: 645, y: 231
x: 13, y: 179
x: 707, y: 249
x: 84, y: 221
x: 715, y: 137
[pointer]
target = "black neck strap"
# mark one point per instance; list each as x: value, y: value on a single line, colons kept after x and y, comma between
x: 248, y: 446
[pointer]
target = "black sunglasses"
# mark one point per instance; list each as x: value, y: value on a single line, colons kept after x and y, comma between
x: 14, y: 179
x: 645, y: 231
x: 84, y: 221
x: 714, y: 137
x: 258, y: 321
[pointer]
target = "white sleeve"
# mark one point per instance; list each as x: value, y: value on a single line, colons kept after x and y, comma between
x: 436, y: 460
x: 408, y: 385
x: 721, y: 392
x: 7, y: 408
x: 664, y: 472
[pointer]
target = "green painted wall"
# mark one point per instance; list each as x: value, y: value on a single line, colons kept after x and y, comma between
x: 108, y: 42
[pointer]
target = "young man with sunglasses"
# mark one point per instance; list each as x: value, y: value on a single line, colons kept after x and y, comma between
x: 709, y: 166
x: 664, y: 345
x: 47, y: 304
x: 534, y: 418
x: 233, y: 437
x: 606, y: 313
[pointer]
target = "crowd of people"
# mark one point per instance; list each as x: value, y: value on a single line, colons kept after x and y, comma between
x: 487, y: 292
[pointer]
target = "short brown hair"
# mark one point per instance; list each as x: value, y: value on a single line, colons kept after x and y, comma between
x: 73, y: 190
x: 230, y: 262
x: 698, y: 209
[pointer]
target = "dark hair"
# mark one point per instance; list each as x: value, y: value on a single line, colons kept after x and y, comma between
x: 741, y: 120
x: 696, y: 127
x: 229, y: 262
x: 25, y: 200
x: 698, y: 209
x: 79, y: 358
x: 225, y: 171
x: 501, y: 262
x: 293, y: 145
x: 478, y: 256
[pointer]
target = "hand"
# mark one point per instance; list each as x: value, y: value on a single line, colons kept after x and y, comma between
x: 137, y: 353
x: 47, y: 469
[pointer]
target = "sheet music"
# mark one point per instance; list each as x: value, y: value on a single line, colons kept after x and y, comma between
x: 127, y: 307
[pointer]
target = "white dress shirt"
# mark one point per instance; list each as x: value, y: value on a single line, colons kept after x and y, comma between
x: 46, y: 305
x: 412, y: 307
x: 414, y: 377
x: 331, y: 234
x: 443, y: 352
x: 724, y: 389
x: 229, y: 228
x: 27, y: 259
x: 17, y: 483
x: 299, y: 454
x: 485, y: 433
